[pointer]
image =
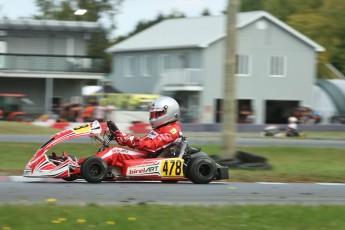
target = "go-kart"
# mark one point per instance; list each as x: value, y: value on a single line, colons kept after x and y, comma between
x: 177, y: 162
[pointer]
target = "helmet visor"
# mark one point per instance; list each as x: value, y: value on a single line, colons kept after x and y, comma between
x: 157, y: 113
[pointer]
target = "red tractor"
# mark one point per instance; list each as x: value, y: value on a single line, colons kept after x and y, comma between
x: 11, y: 106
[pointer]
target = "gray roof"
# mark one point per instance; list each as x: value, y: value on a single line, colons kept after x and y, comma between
x: 32, y: 24
x: 196, y: 32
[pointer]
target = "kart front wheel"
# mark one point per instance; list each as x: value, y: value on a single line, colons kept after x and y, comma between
x: 201, y: 170
x: 94, y: 170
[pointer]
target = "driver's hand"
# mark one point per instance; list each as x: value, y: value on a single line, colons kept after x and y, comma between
x: 108, y: 132
x: 121, y: 138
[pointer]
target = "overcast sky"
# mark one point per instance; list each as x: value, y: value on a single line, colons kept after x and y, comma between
x: 132, y: 11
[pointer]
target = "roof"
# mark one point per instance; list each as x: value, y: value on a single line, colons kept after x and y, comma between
x: 49, y: 25
x: 197, y: 32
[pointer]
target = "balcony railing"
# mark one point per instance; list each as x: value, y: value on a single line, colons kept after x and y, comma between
x: 57, y: 63
x: 183, y: 77
x: 180, y: 77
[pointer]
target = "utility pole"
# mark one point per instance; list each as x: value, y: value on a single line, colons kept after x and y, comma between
x: 229, y: 105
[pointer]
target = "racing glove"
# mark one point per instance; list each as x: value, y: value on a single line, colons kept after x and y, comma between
x: 126, y: 139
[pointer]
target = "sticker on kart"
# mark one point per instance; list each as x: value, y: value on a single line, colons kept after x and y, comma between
x: 144, y: 169
x: 171, y: 167
x: 82, y: 129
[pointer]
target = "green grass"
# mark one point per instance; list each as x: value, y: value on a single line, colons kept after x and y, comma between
x: 290, y: 164
x: 22, y: 128
x: 265, y: 217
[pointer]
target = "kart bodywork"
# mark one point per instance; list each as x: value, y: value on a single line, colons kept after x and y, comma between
x: 176, y: 163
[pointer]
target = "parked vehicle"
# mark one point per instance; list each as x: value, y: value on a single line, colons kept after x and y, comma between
x: 11, y: 106
x: 178, y: 162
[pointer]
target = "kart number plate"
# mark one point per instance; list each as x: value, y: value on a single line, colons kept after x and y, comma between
x: 82, y: 128
x: 172, y: 167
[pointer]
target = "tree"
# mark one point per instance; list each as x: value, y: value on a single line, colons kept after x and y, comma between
x: 206, y: 12
x: 320, y: 20
x: 96, y: 10
x: 63, y: 10
x: 143, y: 25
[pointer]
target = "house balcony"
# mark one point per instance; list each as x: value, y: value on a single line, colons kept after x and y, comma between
x: 181, y: 80
x: 28, y: 63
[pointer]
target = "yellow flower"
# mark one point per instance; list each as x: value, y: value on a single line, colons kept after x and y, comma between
x: 81, y: 221
x: 51, y: 200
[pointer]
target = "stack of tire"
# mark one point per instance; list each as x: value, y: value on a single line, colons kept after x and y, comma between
x: 244, y: 160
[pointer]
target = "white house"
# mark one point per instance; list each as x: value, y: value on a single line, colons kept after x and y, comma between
x: 184, y: 58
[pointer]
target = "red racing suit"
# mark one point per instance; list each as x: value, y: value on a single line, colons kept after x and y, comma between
x: 147, y: 146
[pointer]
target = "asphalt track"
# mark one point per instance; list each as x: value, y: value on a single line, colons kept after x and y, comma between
x: 31, y: 191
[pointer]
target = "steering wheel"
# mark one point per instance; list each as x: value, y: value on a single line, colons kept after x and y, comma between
x: 112, y: 127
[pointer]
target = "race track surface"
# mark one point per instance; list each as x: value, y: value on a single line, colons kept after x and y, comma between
x: 19, y: 190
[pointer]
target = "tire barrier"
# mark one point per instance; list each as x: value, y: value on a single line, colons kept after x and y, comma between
x: 244, y: 160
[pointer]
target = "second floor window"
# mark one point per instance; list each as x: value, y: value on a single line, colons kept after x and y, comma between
x: 129, y: 66
x: 242, y: 65
x: 166, y: 61
x: 146, y: 66
x: 277, y: 66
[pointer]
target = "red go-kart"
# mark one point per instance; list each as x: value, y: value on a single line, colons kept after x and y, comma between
x: 177, y: 162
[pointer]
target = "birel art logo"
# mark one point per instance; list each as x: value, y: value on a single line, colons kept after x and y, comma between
x: 143, y: 170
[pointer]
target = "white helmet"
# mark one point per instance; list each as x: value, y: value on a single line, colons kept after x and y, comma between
x: 163, y: 110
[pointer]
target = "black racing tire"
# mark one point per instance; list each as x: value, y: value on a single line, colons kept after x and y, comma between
x: 94, y: 170
x: 255, y: 166
x: 169, y: 181
x: 201, y: 170
x: 199, y: 154
x: 246, y: 157
x: 229, y: 162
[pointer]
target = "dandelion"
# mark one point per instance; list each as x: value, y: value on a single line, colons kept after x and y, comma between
x: 51, y: 200
x: 132, y: 218
x: 81, y: 221
x: 110, y: 222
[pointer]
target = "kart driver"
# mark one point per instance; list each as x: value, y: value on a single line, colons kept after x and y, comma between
x: 164, y: 114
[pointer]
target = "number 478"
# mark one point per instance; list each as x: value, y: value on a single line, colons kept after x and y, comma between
x: 172, y: 167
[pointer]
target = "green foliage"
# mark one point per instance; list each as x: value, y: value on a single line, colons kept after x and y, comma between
x: 64, y: 10
x: 143, y: 25
x: 320, y: 20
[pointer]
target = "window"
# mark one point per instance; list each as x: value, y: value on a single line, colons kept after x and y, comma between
x: 129, y: 66
x: 146, y: 65
x: 242, y: 65
x: 277, y: 66
x: 166, y: 62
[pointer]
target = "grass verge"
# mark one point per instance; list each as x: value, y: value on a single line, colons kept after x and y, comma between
x: 172, y: 217
x: 290, y: 164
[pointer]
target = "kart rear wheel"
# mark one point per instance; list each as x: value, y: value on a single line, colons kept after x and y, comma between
x: 201, y: 170
x: 94, y: 170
